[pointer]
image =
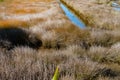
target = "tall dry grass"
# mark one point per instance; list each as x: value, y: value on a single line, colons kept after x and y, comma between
x: 90, y: 54
x: 26, y: 63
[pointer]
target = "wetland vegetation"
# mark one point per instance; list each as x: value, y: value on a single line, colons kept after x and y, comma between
x: 36, y: 37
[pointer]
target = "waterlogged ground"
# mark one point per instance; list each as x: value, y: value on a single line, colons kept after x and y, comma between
x: 96, y: 13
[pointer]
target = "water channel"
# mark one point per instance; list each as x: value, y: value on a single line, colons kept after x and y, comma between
x: 73, y: 18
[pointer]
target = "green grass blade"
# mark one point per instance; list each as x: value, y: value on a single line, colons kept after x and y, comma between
x: 56, y: 75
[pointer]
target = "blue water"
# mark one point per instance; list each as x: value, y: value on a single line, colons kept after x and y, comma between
x: 117, y: 9
x: 72, y: 17
x: 116, y: 6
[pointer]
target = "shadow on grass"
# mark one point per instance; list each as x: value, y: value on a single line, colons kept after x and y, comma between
x: 105, y: 72
x: 12, y: 37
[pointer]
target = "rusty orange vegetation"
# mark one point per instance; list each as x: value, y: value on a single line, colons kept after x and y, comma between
x: 32, y: 0
x: 18, y: 7
x: 24, y: 11
x: 12, y: 23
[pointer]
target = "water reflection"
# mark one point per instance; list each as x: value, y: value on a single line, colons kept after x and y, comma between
x: 72, y: 17
x: 116, y: 6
